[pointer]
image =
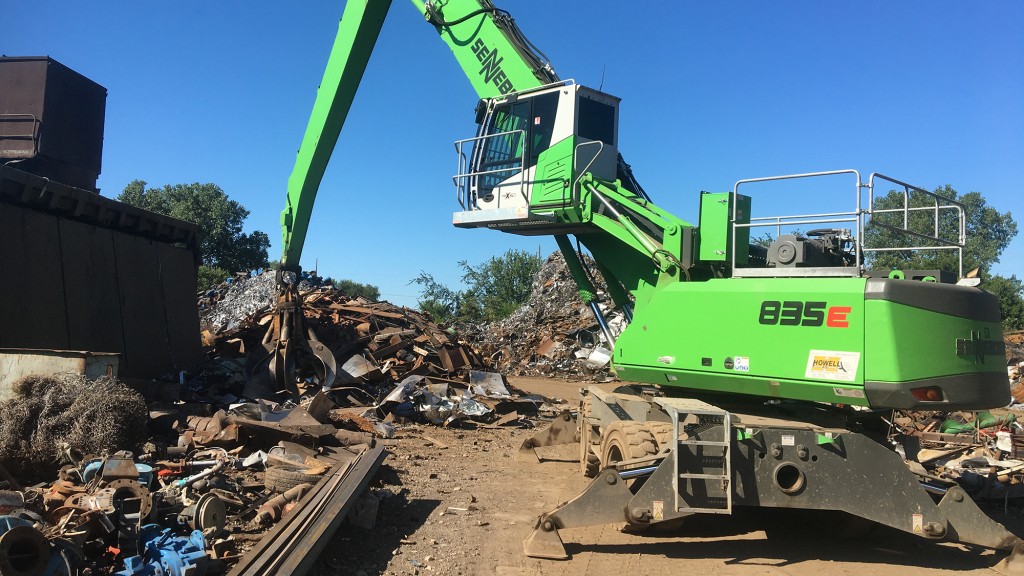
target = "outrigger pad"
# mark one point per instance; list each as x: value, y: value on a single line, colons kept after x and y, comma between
x: 1014, y: 563
x: 603, y: 502
x: 972, y: 526
x: 561, y: 431
x: 545, y: 544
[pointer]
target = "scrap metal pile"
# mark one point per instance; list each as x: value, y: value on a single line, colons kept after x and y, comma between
x: 393, y: 362
x: 981, y: 451
x: 554, y: 333
x: 208, y: 478
x: 171, y: 489
x: 1015, y: 364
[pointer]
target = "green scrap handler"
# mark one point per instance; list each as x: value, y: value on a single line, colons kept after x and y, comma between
x: 768, y: 371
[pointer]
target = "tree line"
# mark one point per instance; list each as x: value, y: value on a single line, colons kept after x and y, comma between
x: 497, y: 287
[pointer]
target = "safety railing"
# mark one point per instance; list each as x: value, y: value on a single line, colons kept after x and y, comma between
x: 467, y: 179
x: 938, y: 205
x: 860, y: 217
x: 579, y: 173
x: 19, y: 135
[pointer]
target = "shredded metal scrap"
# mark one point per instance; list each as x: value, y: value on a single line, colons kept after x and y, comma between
x: 52, y: 415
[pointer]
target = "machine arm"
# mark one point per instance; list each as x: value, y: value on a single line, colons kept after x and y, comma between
x: 492, y: 51
x: 357, y: 33
x: 496, y: 58
x: 486, y: 42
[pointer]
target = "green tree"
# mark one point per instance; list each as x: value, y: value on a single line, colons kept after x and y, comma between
x: 222, y: 243
x: 988, y: 232
x: 210, y: 276
x: 1010, y: 292
x: 354, y: 289
x: 497, y: 288
x: 501, y: 284
x: 442, y: 303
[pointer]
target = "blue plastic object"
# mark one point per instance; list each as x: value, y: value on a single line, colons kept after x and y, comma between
x: 94, y: 466
x: 165, y: 554
x: 8, y: 522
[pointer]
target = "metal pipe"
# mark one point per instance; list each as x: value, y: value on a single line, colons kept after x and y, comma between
x: 602, y: 323
x: 204, y: 474
x: 626, y: 475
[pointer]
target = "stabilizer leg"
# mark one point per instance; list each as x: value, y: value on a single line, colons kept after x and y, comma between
x: 561, y: 431
x: 604, y: 501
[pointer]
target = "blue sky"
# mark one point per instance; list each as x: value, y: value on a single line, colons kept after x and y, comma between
x: 928, y: 92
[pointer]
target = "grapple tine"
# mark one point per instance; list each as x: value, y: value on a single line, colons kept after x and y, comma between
x: 290, y: 350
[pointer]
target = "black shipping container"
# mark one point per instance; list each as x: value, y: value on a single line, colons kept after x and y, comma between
x: 51, y: 120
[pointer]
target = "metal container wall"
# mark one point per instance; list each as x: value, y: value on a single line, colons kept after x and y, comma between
x: 16, y: 364
x: 51, y: 119
x: 85, y: 272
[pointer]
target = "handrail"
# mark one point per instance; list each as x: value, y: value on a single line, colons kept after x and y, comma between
x: 857, y: 216
x: 936, y: 209
x: 463, y: 177
x: 33, y: 136
x: 580, y: 173
x: 857, y: 213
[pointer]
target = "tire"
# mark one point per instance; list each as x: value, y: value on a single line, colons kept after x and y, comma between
x: 626, y: 440
x: 662, y: 432
x: 281, y: 479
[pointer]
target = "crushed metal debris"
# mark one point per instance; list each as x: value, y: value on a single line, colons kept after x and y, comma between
x: 394, y: 363
x: 553, y: 334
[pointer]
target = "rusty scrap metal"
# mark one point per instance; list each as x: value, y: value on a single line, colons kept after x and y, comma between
x: 295, y: 542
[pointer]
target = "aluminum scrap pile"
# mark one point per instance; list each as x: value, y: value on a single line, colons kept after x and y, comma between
x: 389, y: 359
x: 554, y: 333
x: 225, y: 306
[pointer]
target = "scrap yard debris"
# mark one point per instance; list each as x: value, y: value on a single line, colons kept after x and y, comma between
x: 48, y: 417
x: 92, y: 481
x: 1015, y: 364
x: 210, y: 475
x: 554, y: 333
x: 981, y: 451
x: 394, y: 363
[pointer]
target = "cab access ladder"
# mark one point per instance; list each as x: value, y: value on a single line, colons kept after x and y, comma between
x: 703, y: 479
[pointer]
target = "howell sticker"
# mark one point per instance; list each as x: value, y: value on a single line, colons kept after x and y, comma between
x: 831, y: 365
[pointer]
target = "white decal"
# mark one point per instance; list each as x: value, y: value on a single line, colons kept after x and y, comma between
x: 741, y: 364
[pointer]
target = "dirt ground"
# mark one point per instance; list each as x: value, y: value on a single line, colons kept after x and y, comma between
x: 457, y: 502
